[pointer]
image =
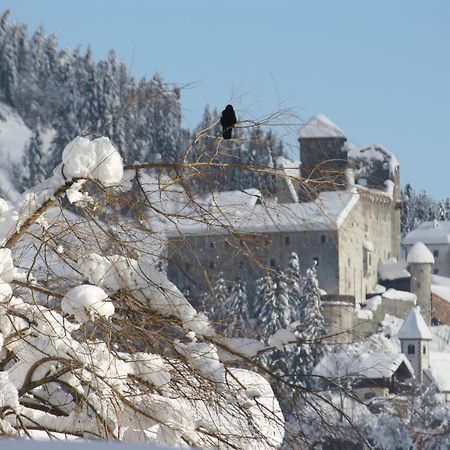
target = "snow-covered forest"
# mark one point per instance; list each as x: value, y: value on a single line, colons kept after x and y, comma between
x: 96, y: 342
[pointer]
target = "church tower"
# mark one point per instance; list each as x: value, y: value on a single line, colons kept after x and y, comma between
x: 323, y: 156
x: 420, y: 261
x: 415, y: 338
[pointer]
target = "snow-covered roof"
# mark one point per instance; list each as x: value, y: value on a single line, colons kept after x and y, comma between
x: 393, y: 270
x: 394, y: 294
x: 361, y: 365
x: 440, y: 280
x: 320, y: 126
x: 419, y: 254
x: 441, y: 291
x: 414, y: 327
x: 440, y: 369
x: 327, y: 212
x: 433, y: 232
x: 374, y: 152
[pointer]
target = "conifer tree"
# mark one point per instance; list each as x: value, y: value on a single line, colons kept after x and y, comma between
x: 237, y: 310
x: 34, y: 160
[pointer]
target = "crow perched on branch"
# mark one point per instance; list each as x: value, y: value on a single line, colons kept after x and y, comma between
x: 228, y: 121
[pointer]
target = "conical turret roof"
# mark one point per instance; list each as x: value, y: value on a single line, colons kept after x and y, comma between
x: 420, y: 254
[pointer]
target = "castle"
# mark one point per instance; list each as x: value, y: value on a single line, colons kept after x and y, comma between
x: 343, y: 213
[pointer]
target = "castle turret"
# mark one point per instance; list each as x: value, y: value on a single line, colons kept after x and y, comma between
x: 323, y: 155
x: 420, y: 260
x: 415, y: 338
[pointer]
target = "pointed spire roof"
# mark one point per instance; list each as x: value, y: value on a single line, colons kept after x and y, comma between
x: 419, y: 254
x: 414, y: 327
x: 320, y: 126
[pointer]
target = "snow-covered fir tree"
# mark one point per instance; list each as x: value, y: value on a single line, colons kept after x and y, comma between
x: 236, y: 309
x: 33, y: 161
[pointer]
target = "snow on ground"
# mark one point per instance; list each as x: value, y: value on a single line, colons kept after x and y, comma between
x: 14, y: 135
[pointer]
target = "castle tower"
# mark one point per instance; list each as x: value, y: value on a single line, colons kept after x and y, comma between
x: 415, y: 338
x: 323, y: 156
x: 420, y: 260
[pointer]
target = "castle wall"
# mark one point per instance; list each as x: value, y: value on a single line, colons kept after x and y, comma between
x: 368, y: 222
x: 197, y: 261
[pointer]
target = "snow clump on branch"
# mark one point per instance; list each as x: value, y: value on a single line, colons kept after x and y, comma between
x: 96, y: 159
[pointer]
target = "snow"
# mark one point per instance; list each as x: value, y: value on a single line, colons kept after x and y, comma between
x: 375, y: 152
x: 419, y: 254
x: 393, y: 270
x: 373, y: 302
x: 366, y: 365
x: 440, y: 370
x: 281, y: 338
x: 146, y: 282
x: 248, y: 348
x: 327, y: 212
x: 441, y: 291
x: 96, y: 159
x: 440, y: 280
x: 320, y: 126
x: 394, y: 294
x: 429, y: 233
x: 14, y: 135
x: 368, y: 245
x: 24, y: 444
x: 414, y: 327
x: 87, y: 302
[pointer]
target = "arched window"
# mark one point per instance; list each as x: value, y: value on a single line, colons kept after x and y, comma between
x: 411, y: 349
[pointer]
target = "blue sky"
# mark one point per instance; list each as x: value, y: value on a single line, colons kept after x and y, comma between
x: 380, y: 70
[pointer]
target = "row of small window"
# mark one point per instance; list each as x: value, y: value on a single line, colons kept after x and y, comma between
x: 272, y: 263
x: 287, y: 241
x: 412, y: 349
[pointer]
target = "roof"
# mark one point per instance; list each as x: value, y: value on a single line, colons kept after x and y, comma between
x: 439, y: 370
x: 433, y: 232
x: 441, y: 291
x: 320, y: 126
x: 366, y: 365
x: 419, y: 254
x: 393, y: 270
x: 374, y: 152
x: 414, y: 327
x: 327, y: 212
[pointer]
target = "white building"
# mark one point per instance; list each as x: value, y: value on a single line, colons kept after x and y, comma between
x: 436, y: 236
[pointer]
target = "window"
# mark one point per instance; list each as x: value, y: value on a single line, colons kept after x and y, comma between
x: 436, y: 271
x: 272, y: 263
x: 211, y: 265
x: 370, y: 259
x: 187, y: 267
x: 323, y: 239
x: 424, y: 350
x: 435, y: 253
x: 241, y: 264
x: 411, y: 349
x: 287, y: 240
x: 211, y: 244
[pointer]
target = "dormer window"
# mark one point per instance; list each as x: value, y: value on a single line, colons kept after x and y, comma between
x: 411, y: 349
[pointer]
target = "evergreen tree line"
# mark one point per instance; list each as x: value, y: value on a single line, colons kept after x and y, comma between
x: 284, y: 299
x: 67, y: 91
x: 418, y: 207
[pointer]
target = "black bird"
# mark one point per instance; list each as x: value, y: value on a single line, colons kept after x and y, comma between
x: 228, y: 121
